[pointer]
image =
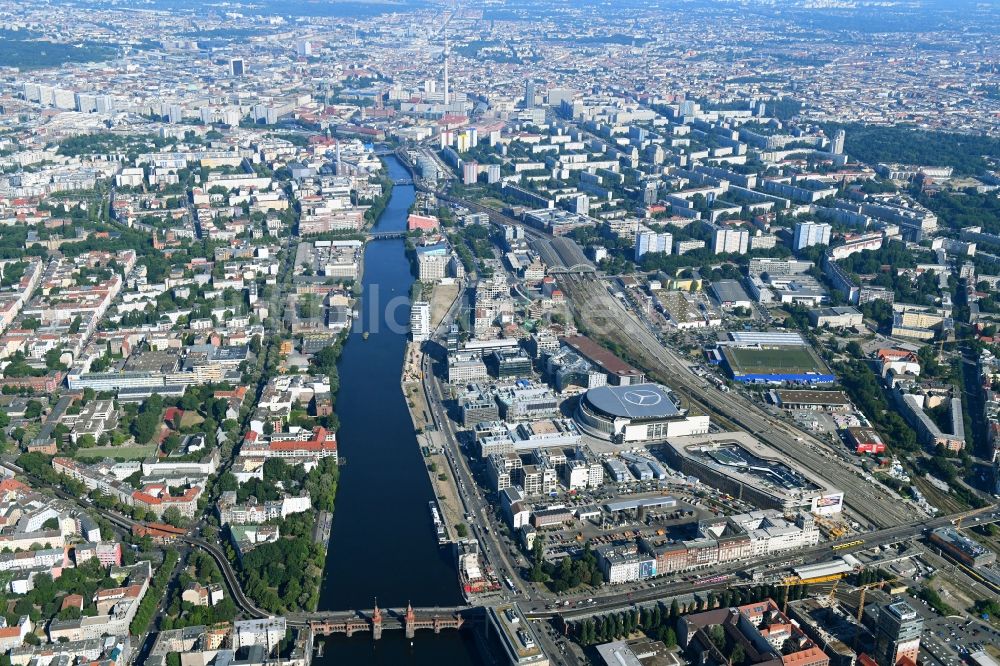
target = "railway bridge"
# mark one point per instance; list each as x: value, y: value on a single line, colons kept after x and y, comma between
x: 382, y: 235
x: 378, y: 620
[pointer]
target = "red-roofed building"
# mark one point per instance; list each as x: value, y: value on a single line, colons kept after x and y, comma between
x: 12, y: 488
x: 760, y: 628
x: 865, y: 440
x: 301, y: 445
x: 160, y: 533
x: 452, y: 121
x: 422, y: 222
x: 72, y: 601
x: 811, y: 656
x: 899, y: 361
x: 156, y: 499
x: 12, y: 637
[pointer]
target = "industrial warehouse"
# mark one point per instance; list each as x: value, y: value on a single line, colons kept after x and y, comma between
x: 738, y: 464
x: 637, y: 413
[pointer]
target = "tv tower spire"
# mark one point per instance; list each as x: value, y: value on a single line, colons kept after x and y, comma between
x: 446, y: 53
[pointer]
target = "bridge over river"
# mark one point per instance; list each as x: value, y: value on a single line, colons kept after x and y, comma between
x: 383, y: 235
x: 377, y: 620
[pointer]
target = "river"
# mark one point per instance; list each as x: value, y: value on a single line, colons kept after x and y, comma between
x: 383, y: 545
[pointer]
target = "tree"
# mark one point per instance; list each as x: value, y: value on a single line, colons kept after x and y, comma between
x: 173, y: 516
x: 171, y: 443
x: 718, y: 636
x: 33, y: 410
x: 227, y: 482
x: 461, y: 530
x: 144, y: 427
x: 738, y: 656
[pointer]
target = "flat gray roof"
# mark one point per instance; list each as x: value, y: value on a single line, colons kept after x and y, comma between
x: 627, y: 505
x: 729, y: 291
x: 639, y: 401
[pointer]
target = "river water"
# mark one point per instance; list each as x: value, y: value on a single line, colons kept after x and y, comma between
x: 383, y: 545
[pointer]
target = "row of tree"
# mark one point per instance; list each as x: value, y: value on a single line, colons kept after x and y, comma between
x: 151, y: 601
x: 659, y: 621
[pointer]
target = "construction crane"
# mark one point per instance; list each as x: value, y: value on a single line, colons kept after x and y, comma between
x: 861, y: 605
x: 833, y: 591
x: 789, y: 581
x: 832, y: 530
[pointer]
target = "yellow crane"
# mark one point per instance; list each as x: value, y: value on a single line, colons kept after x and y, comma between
x: 833, y: 591
x: 795, y: 580
x: 832, y: 530
x: 861, y: 604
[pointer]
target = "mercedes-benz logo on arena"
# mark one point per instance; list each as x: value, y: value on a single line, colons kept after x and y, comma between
x: 643, y: 398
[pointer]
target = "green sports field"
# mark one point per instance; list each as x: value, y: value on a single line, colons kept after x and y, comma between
x: 774, y: 360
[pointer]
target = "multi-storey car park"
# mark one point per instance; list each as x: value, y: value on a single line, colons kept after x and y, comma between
x: 738, y: 464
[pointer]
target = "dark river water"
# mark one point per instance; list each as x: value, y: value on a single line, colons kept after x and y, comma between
x: 383, y: 545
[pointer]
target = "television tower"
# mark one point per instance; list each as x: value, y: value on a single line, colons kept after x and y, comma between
x: 446, y: 53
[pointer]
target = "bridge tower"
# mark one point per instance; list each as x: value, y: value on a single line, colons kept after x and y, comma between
x: 377, y: 622
x: 410, y: 622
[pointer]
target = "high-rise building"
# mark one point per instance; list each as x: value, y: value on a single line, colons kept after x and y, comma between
x: 470, y: 173
x: 236, y: 67
x: 650, y: 241
x: 529, y: 93
x: 420, y: 321
x: 559, y: 95
x: 897, y: 634
x: 808, y: 234
x: 304, y: 48
x: 730, y: 240
x: 838, y: 142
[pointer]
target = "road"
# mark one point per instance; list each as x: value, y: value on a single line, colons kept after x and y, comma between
x: 871, y: 502
x: 904, y: 527
x: 869, y: 499
x: 126, y: 523
x: 494, y: 550
x: 811, y: 555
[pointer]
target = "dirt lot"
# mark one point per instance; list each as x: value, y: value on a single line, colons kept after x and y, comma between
x: 444, y: 295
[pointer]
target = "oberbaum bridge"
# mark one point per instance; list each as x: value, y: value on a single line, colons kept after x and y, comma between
x: 379, y: 619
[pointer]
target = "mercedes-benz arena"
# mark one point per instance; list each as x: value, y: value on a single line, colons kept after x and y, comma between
x: 636, y: 413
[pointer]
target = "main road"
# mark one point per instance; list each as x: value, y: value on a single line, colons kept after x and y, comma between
x: 613, y: 597
x: 869, y: 499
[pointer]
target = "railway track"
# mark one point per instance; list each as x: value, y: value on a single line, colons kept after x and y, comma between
x: 872, y: 502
